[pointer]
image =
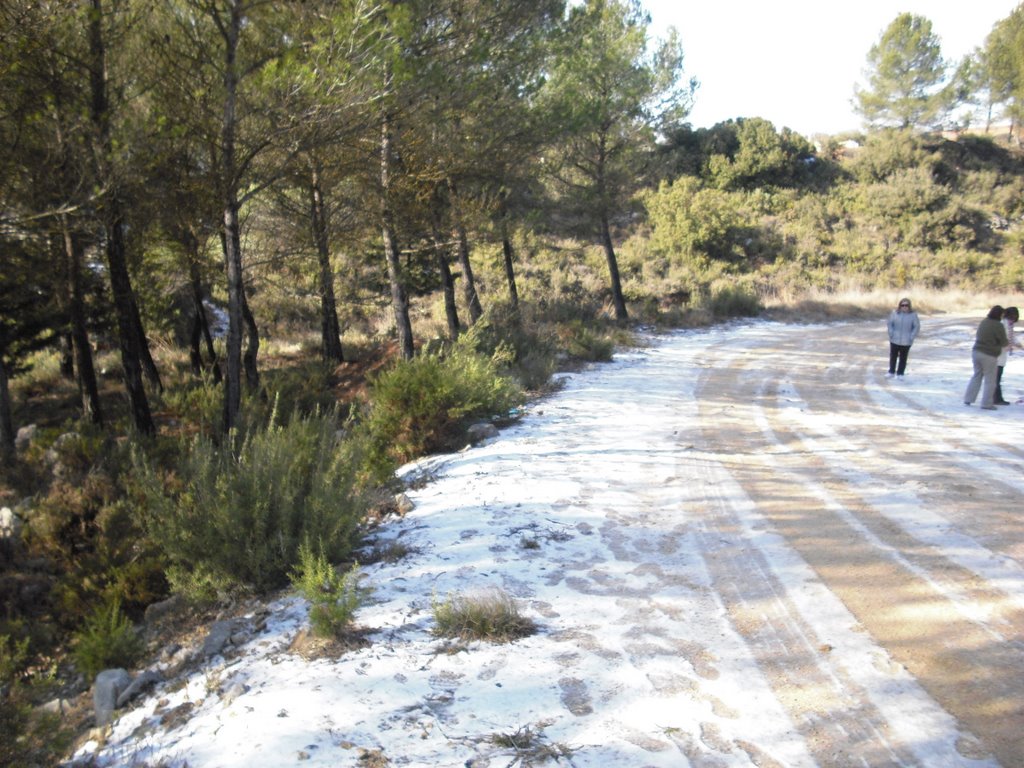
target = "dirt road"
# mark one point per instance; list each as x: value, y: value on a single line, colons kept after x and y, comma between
x: 915, y: 523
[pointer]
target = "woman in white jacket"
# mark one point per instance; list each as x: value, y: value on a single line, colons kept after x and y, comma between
x: 1010, y: 316
x: 903, y: 328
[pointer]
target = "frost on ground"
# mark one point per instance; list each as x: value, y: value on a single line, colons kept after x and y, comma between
x: 741, y: 547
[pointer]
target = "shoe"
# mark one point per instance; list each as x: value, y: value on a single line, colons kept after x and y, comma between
x: 1002, y: 402
x: 966, y: 403
x: 889, y: 375
x: 988, y: 407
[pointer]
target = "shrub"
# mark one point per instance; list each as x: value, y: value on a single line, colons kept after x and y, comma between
x: 582, y: 342
x: 691, y: 223
x: 734, y: 301
x: 234, y: 515
x: 334, y: 597
x: 107, y: 639
x: 490, y: 615
x: 200, y: 402
x: 28, y: 737
x: 514, y: 345
x: 423, y: 405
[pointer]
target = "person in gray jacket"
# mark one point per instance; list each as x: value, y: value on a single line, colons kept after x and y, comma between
x: 903, y: 328
x: 988, y: 344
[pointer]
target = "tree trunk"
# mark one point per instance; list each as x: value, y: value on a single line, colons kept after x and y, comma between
x: 330, y: 329
x: 231, y: 236
x: 613, y: 269
x: 399, y: 298
x: 252, y: 348
x: 128, y: 323
x: 67, y: 356
x: 451, y: 309
x: 6, y: 422
x: 88, y: 388
x: 468, y: 282
x: 200, y: 324
x: 510, y: 273
x: 142, y: 341
x: 233, y: 270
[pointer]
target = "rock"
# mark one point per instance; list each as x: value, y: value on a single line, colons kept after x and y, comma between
x: 168, y: 652
x: 233, y: 691
x: 138, y: 685
x: 481, y: 431
x: 403, y: 504
x: 157, y: 611
x: 52, y: 456
x: 105, y: 692
x: 25, y: 437
x: 56, y: 706
x: 217, y: 638
x: 10, y: 524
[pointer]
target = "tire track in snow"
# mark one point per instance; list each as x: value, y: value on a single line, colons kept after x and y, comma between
x: 757, y: 578
x: 792, y: 500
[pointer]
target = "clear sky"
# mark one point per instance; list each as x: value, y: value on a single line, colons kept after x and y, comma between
x: 795, y: 62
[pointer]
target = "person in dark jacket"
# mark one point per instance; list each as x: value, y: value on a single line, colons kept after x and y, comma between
x: 903, y: 328
x: 988, y: 344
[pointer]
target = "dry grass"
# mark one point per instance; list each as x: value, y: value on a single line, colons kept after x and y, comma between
x: 853, y: 303
x: 489, y: 615
x: 529, y: 747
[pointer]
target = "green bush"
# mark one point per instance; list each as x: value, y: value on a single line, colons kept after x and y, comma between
x: 514, y: 345
x: 423, y: 405
x: 199, y: 402
x: 582, y: 342
x: 334, y: 597
x: 108, y: 639
x: 28, y: 737
x: 233, y: 516
x: 734, y: 301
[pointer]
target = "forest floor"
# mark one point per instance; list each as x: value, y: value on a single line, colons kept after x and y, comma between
x: 740, y: 546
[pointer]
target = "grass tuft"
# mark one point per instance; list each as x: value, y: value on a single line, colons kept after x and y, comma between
x: 490, y: 615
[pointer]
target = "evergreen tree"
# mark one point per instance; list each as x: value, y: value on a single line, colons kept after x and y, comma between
x: 1003, y: 61
x: 611, y: 95
x: 906, y: 77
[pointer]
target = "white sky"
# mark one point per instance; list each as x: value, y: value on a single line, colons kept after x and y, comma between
x: 795, y: 62
x: 636, y: 660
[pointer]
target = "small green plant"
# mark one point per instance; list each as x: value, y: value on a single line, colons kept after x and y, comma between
x: 107, y: 639
x: 334, y: 597
x: 28, y: 736
x: 491, y: 615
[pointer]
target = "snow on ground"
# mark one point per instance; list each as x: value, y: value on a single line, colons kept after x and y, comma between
x: 590, y: 513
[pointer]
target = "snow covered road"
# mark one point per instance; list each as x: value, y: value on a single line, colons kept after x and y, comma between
x: 742, y: 547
